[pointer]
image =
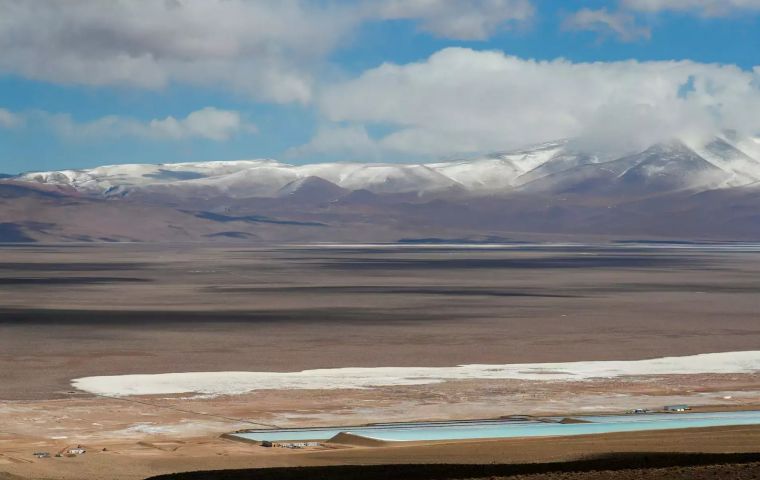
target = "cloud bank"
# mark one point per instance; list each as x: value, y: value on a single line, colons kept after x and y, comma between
x: 620, y: 24
x: 461, y: 19
x: 457, y: 101
x: 261, y: 48
x: 707, y: 8
x: 268, y: 50
x: 461, y: 101
x: 207, y: 123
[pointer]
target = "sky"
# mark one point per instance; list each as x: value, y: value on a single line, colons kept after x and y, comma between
x: 87, y: 82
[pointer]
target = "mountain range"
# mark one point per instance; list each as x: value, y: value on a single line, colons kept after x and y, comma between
x: 674, y: 189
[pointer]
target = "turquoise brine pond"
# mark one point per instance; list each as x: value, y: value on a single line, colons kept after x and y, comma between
x: 457, y: 430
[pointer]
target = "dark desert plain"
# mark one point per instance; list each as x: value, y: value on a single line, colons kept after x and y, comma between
x: 142, y: 309
x: 132, y: 308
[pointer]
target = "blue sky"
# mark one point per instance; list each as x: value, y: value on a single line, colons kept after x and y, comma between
x: 83, y: 90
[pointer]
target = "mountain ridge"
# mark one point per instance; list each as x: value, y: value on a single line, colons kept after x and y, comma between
x: 498, y: 172
x: 670, y: 189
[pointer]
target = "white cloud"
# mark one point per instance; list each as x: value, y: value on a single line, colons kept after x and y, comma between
x: 263, y: 48
x: 208, y: 123
x: 9, y: 119
x: 351, y: 140
x: 621, y: 24
x: 461, y: 100
x: 709, y: 8
x: 460, y: 19
x: 266, y: 49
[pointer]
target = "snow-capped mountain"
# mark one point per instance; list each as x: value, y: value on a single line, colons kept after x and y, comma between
x: 553, y: 166
x: 681, y: 189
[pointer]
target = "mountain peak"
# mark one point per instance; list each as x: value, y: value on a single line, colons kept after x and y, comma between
x: 312, y: 188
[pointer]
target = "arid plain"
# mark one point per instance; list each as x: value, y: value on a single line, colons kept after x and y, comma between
x: 72, y: 311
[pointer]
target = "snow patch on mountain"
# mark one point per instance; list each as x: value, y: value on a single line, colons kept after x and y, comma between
x: 559, y: 166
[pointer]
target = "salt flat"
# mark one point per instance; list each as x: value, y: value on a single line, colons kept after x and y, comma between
x: 231, y: 383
